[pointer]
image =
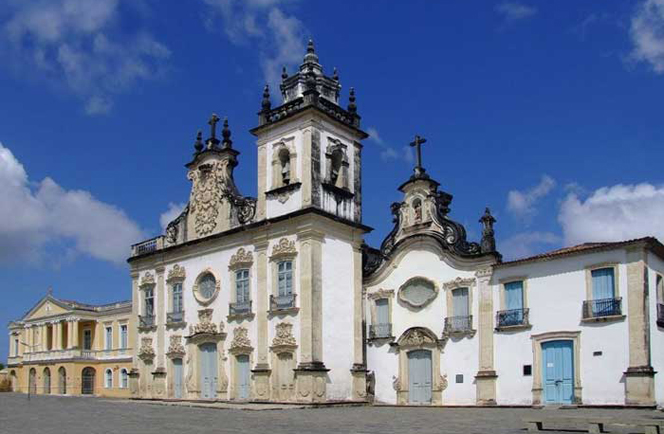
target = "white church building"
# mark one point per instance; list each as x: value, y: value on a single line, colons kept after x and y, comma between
x: 277, y: 298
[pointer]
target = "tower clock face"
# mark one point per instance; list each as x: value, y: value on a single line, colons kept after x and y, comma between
x: 207, y: 286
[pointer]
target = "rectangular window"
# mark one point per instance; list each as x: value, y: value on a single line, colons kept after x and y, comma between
x: 460, y: 302
x: 527, y: 370
x: 177, y: 298
x: 514, y: 295
x: 285, y: 278
x: 148, y: 302
x: 109, y: 338
x: 382, y: 311
x: 87, y: 339
x: 603, y: 283
x: 242, y: 286
x: 16, y: 347
x: 123, y: 336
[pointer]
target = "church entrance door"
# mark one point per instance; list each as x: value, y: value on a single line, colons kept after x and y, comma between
x: 177, y: 378
x: 419, y: 374
x: 558, y: 372
x: 285, y: 376
x: 208, y: 371
x: 243, y: 377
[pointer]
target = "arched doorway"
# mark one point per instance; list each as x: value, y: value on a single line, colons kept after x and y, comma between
x: 62, y: 381
x: 47, y: 381
x: 32, y: 381
x: 88, y: 381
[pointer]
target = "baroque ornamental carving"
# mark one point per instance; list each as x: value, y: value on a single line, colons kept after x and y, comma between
x: 417, y: 337
x: 241, y: 259
x: 147, y: 279
x: 176, y: 273
x: 240, y: 342
x: 381, y: 293
x: 459, y: 282
x: 284, y: 248
x: 205, y: 324
x: 417, y: 292
x: 284, y: 336
x: 146, y: 352
x: 210, y: 181
x: 175, y: 348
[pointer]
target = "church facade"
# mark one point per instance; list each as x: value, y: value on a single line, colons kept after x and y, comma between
x: 278, y: 299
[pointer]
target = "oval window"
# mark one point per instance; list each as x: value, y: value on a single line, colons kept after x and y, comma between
x: 207, y: 285
x: 417, y: 292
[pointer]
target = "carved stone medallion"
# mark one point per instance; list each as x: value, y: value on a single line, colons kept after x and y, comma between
x: 146, y: 352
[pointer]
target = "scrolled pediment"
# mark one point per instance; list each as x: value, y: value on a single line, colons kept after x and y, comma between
x: 241, y: 259
x: 459, y: 282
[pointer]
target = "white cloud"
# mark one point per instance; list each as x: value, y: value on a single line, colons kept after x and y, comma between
x: 174, y: 210
x: 522, y: 204
x: 77, y: 44
x: 279, y: 37
x: 513, y: 11
x: 647, y: 34
x: 388, y: 152
x: 526, y: 244
x: 33, y: 218
x: 616, y: 213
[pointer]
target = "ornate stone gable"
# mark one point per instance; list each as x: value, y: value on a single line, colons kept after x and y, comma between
x: 175, y: 348
x: 284, y: 248
x: 210, y: 181
x: 284, y: 336
x: 205, y: 324
x: 241, y: 342
x: 146, y: 352
x: 147, y: 279
x: 176, y: 273
x: 459, y: 282
x: 241, y: 259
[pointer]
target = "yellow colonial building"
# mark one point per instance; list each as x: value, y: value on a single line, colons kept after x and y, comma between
x: 69, y: 348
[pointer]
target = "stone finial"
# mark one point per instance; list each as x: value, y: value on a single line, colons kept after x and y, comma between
x: 335, y: 74
x: 198, y: 144
x: 488, y: 243
x: 352, y: 107
x: 226, y: 134
x: 284, y: 74
x: 266, y: 104
x: 311, y: 55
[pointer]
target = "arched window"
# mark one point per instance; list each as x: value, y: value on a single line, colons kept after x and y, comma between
x: 417, y: 210
x: 284, y: 166
x: 108, y: 380
x: 336, y: 177
x: 47, y: 381
x: 62, y: 381
x: 124, y: 379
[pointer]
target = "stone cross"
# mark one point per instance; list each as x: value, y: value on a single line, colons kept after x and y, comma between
x: 417, y: 144
x: 213, y: 125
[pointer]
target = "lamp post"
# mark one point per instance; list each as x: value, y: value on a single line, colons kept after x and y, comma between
x: 30, y: 347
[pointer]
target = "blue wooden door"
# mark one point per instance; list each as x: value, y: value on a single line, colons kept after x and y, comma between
x: 419, y: 376
x: 243, y: 377
x: 558, y: 372
x: 208, y: 376
x: 177, y: 378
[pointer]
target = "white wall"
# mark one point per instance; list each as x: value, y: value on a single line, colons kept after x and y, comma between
x: 656, y: 266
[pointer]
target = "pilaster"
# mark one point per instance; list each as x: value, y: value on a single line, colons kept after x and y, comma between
x: 306, y: 167
x: 260, y: 247
x: 639, y: 377
x: 486, y: 376
x: 160, y: 318
x: 75, y: 334
x: 359, y: 370
x: 262, y: 182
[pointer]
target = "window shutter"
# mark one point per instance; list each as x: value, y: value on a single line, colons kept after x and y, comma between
x: 514, y: 295
x: 603, y: 283
x: 460, y: 302
x: 382, y: 311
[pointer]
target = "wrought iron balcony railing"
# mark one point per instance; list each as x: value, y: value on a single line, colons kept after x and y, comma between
x: 378, y: 331
x: 146, y: 320
x: 457, y: 324
x: 511, y: 317
x: 602, y: 308
x: 239, y: 308
x: 281, y: 302
x: 660, y: 314
x: 175, y: 317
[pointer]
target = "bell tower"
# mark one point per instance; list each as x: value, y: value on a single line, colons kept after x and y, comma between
x: 309, y: 147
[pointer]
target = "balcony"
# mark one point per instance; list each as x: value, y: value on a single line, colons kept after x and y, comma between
x: 512, y: 318
x: 660, y: 314
x: 240, y: 308
x: 148, y: 246
x: 380, y: 331
x: 77, y: 354
x: 602, y: 309
x: 282, y: 302
x: 146, y: 321
x: 458, y: 326
x: 175, y: 317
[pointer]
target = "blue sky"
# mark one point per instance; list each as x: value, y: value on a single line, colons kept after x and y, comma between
x: 548, y: 112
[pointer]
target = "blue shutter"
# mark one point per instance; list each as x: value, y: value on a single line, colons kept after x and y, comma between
x: 603, y: 283
x: 460, y: 302
x: 382, y: 311
x: 514, y: 295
